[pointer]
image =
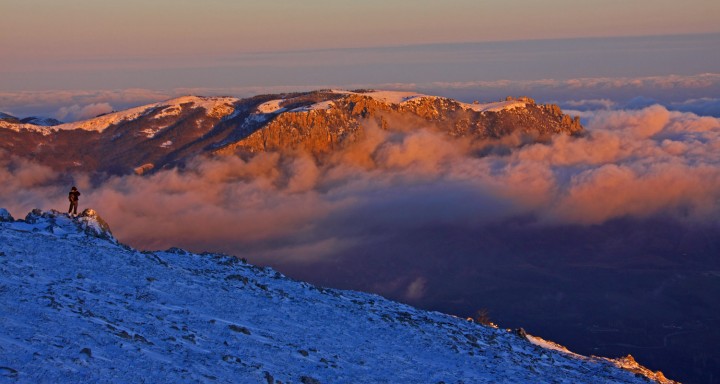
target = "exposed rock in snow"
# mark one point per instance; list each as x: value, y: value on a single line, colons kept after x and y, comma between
x: 272, y: 106
x: 79, y: 307
x: 88, y: 222
x: 5, y: 215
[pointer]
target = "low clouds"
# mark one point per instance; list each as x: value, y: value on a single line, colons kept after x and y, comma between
x: 71, y: 105
x: 706, y: 106
x: 637, y: 163
x: 689, y: 94
x: 76, y: 112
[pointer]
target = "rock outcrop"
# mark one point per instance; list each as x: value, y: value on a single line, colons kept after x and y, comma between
x: 63, y: 224
x: 5, y: 216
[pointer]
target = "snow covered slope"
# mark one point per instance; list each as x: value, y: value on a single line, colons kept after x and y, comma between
x: 214, y: 106
x: 80, y: 307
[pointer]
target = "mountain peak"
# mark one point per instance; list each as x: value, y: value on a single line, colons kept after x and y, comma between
x: 4, y: 115
x: 78, y: 307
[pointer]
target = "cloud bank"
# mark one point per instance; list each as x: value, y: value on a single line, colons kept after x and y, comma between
x: 637, y: 163
x: 691, y: 93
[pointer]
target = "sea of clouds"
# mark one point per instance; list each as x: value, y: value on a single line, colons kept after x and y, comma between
x: 638, y: 163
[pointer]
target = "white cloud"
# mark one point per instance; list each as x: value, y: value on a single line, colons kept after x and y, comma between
x: 76, y: 112
x: 690, y: 93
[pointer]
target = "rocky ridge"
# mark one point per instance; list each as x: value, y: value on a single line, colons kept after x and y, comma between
x: 169, y: 133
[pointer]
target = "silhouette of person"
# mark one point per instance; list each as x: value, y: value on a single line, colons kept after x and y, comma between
x: 73, y: 196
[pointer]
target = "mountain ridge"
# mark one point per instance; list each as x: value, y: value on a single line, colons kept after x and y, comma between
x: 83, y: 307
x: 170, y: 133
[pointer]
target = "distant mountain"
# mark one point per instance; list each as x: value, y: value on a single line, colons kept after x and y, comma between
x: 4, y: 117
x: 41, y: 121
x: 12, y: 122
x: 80, y: 307
x: 169, y: 133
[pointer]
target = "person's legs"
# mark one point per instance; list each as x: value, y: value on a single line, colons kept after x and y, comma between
x: 71, y: 207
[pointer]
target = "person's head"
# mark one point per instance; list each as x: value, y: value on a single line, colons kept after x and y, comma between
x: 73, y: 189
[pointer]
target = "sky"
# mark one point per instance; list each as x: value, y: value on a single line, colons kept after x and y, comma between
x: 166, y: 48
x: 45, y: 29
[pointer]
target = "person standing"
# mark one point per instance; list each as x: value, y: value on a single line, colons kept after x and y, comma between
x: 74, y: 197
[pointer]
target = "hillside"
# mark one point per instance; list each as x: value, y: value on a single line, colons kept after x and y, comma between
x: 80, y: 307
x: 170, y: 133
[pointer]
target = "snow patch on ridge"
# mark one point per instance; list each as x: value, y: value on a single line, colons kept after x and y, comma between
x: 272, y: 106
x: 320, y: 106
x: 390, y: 97
x: 170, y: 110
x: 507, y: 105
x: 402, y: 97
x: 28, y: 127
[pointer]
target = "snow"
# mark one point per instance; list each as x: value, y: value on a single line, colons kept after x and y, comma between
x: 320, y: 106
x: 80, y: 307
x: 549, y: 345
x: 391, y: 97
x: 100, y: 123
x: 400, y: 97
x: 27, y: 127
x: 151, y: 132
x: 166, y: 144
x: 507, y: 105
x: 170, y: 110
x: 272, y: 106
